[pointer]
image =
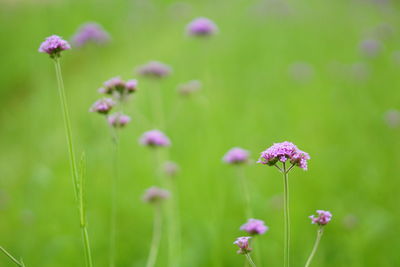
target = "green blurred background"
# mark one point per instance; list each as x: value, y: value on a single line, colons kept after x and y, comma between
x: 331, y: 104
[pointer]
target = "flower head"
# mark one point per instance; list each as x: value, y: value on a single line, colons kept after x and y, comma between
x: 323, y: 218
x: 243, y: 244
x: 53, y: 45
x: 155, y: 138
x: 118, y: 120
x: 392, y: 118
x: 155, y: 195
x: 103, y: 106
x: 131, y: 85
x: 284, y: 152
x: 236, y: 155
x: 189, y: 88
x: 118, y: 86
x: 90, y: 32
x: 201, y: 27
x: 254, y: 227
x: 370, y: 47
x: 171, y: 168
x: 154, y: 69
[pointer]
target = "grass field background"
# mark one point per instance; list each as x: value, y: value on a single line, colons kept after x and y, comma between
x: 249, y: 99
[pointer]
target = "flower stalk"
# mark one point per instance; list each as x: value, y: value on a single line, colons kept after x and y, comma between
x: 18, y: 263
x: 315, y: 247
x: 157, y: 232
x: 249, y: 259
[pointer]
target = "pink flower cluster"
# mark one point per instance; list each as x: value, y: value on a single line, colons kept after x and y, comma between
x: 155, y: 195
x: 284, y: 152
x: 201, y: 27
x: 236, y: 155
x: 243, y: 244
x: 155, y: 138
x: 118, y: 120
x: 53, y: 45
x: 254, y: 227
x: 90, y: 32
x: 154, y: 69
x: 117, y: 85
x: 103, y: 106
x: 323, y: 218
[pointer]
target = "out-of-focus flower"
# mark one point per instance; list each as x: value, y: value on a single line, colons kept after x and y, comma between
x: 90, y: 32
x: 254, y: 227
x: 102, y: 106
x: 118, y: 120
x: 155, y: 195
x: 201, y: 27
x: 154, y: 69
x: 301, y: 71
x: 155, y: 138
x: 119, y: 86
x: 392, y: 118
x: 243, y: 244
x: 236, y: 155
x: 53, y: 45
x: 323, y: 218
x: 189, y: 88
x: 284, y: 152
x: 171, y: 168
x: 370, y: 47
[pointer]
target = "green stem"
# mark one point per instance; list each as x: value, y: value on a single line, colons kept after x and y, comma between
x: 113, y: 219
x: 287, y: 216
x: 251, y: 262
x: 316, y: 244
x: 21, y: 264
x: 155, y: 242
x: 75, y: 177
x: 245, y: 191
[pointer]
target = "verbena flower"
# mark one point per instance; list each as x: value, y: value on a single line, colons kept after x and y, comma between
x: 118, y: 86
x: 90, y: 32
x: 243, y: 244
x: 102, y: 106
x: 53, y: 45
x: 254, y: 227
x: 201, y: 27
x: 155, y: 195
x: 284, y: 152
x: 155, y: 138
x: 236, y: 155
x: 171, y: 168
x: 118, y: 120
x: 154, y: 69
x: 370, y: 47
x: 189, y: 88
x: 323, y: 218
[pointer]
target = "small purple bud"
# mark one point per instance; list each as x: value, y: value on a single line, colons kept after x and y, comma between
x: 131, y: 86
x: 102, y: 106
x: 243, y: 244
x: 236, y: 155
x: 254, y: 227
x: 155, y: 195
x: 90, y: 32
x: 201, y: 27
x: 155, y: 138
x: 154, y: 69
x: 323, y: 218
x: 53, y: 46
x: 370, y: 47
x: 171, y: 168
x: 118, y: 120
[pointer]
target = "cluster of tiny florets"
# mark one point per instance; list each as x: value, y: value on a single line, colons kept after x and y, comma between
x: 323, y: 218
x: 118, y: 86
x: 90, y: 32
x: 254, y: 227
x: 284, y: 152
x: 236, y: 155
x: 154, y: 69
x: 201, y: 27
x: 155, y: 138
x: 103, y: 106
x: 118, y: 120
x: 244, y: 244
x: 53, y: 45
x: 155, y: 195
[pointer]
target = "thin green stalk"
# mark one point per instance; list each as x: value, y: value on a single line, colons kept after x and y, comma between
x: 75, y: 176
x: 19, y: 263
x: 287, y: 216
x: 251, y: 262
x: 155, y: 242
x: 245, y: 191
x: 114, y: 213
x: 316, y: 244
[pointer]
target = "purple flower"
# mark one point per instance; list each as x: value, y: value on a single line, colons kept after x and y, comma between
x: 243, y: 244
x: 53, y: 46
x: 90, y: 32
x: 102, y: 106
x: 283, y: 152
x: 392, y: 118
x: 119, y: 86
x: 323, y: 218
x: 155, y: 138
x: 370, y: 47
x: 189, y: 88
x: 201, y: 27
x: 171, y: 168
x: 254, y: 227
x: 236, y: 155
x: 155, y: 195
x: 154, y: 69
x: 118, y: 120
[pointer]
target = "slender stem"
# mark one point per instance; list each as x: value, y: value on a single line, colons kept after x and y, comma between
x: 251, y: 262
x: 11, y: 257
x: 245, y: 191
x: 114, y: 213
x: 319, y: 235
x: 155, y: 242
x: 78, y: 187
x: 287, y: 216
